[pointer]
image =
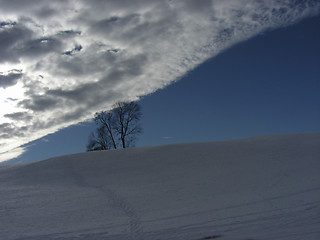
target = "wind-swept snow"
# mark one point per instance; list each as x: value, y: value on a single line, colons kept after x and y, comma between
x: 257, y: 188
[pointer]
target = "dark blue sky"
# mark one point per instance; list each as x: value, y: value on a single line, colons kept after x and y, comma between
x: 269, y: 84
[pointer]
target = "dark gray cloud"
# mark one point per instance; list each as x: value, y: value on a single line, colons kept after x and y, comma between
x: 69, y: 33
x: 45, y: 12
x: 83, y: 92
x: 11, y: 34
x: 19, y: 116
x: 10, y: 79
x: 14, y: 5
x: 39, y: 103
x: 116, y: 23
x: 36, y: 48
x: 126, y: 69
x: 4, y: 126
x: 79, y: 57
x: 10, y: 130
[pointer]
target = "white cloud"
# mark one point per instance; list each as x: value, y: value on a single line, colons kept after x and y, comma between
x: 61, y: 61
x: 13, y: 153
x: 167, y: 138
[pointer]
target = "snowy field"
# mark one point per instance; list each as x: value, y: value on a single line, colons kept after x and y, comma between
x: 256, y: 188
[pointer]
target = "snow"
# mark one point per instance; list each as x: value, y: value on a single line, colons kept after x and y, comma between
x: 256, y: 188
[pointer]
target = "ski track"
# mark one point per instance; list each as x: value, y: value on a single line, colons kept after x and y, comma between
x: 114, y: 200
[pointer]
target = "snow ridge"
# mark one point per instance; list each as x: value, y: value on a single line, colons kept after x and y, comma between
x: 255, y: 188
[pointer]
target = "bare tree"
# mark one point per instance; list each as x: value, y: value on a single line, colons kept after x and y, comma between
x: 117, y: 128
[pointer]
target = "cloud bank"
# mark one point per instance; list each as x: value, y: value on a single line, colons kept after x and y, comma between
x: 61, y: 61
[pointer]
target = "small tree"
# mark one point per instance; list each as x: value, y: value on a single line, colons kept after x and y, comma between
x: 117, y: 128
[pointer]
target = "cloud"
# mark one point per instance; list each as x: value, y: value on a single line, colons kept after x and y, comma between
x: 39, y: 103
x: 22, y: 116
x: 36, y: 48
x: 10, y: 79
x: 11, y: 35
x: 167, y: 138
x: 14, y: 153
x: 76, y: 58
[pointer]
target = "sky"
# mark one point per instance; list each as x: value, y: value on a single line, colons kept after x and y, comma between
x: 201, y: 70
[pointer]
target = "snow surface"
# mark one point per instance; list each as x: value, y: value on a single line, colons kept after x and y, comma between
x: 257, y: 188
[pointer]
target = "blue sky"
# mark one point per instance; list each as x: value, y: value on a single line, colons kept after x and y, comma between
x: 202, y: 70
x: 268, y: 84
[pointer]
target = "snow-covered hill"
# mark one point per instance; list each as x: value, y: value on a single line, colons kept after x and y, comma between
x: 257, y: 188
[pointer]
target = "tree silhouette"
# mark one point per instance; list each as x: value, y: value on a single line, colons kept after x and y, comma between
x: 117, y: 128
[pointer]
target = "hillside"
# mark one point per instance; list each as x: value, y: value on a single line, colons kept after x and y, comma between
x: 256, y: 188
